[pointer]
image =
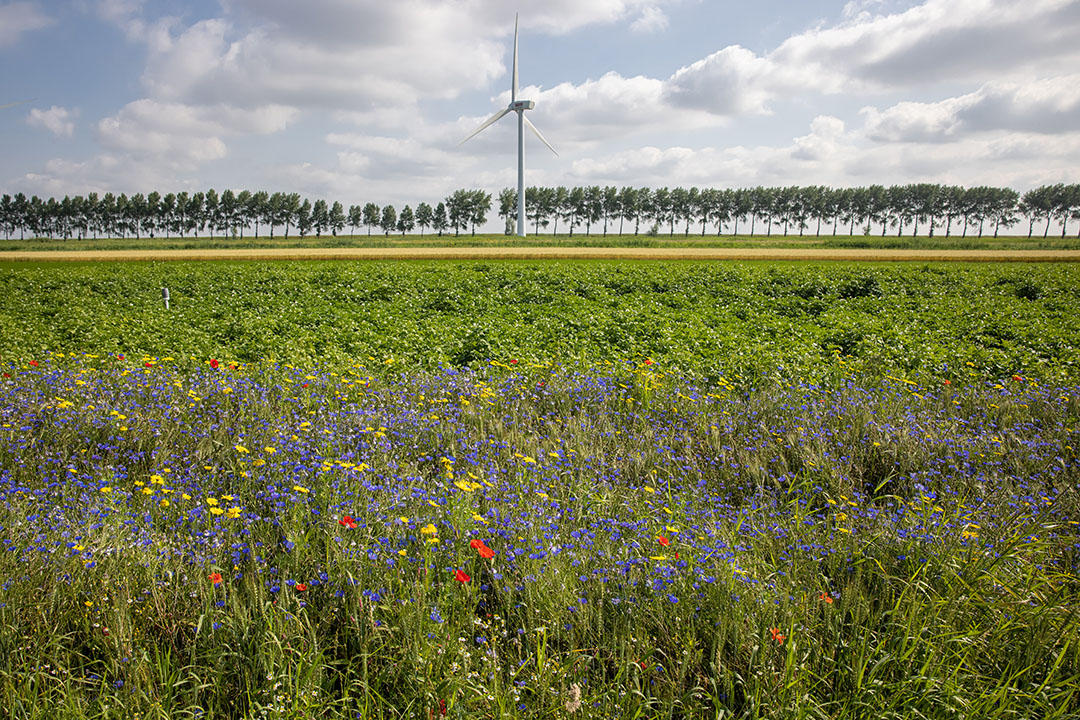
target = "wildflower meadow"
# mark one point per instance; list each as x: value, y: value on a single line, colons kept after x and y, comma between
x: 620, y: 535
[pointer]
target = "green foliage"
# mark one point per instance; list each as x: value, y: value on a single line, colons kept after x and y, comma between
x: 741, y: 320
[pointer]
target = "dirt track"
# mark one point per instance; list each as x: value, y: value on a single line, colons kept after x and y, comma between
x: 550, y: 253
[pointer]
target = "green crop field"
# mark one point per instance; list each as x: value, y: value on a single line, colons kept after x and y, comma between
x: 748, y: 321
x: 586, y: 489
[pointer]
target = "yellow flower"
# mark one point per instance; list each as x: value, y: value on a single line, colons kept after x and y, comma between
x: 211, y: 501
x: 241, y: 449
x: 300, y: 489
x: 428, y: 529
x: 404, y: 519
x: 216, y: 511
x: 106, y: 489
x: 270, y: 450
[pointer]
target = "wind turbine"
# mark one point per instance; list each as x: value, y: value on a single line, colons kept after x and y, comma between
x: 21, y: 102
x: 518, y: 106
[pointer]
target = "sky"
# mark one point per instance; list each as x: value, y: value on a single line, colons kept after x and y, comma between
x: 368, y: 100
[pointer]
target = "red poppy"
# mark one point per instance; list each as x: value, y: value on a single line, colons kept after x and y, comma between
x: 33, y: 363
x: 483, y: 549
x: 777, y: 636
x: 826, y: 598
x: 301, y: 587
x: 648, y: 361
x: 1017, y: 378
x: 513, y: 362
x: 948, y: 383
x: 215, y: 578
x: 348, y: 521
x: 663, y: 540
x: 213, y: 363
x: 147, y: 364
x: 460, y: 576
x: 7, y: 375
x: 442, y: 706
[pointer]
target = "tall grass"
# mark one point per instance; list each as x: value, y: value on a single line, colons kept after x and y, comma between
x: 850, y: 549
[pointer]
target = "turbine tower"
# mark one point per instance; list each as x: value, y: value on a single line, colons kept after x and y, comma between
x: 518, y: 106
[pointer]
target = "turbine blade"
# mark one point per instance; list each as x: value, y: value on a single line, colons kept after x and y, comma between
x: 514, y: 87
x: 542, y: 139
x: 490, y: 121
x: 20, y: 102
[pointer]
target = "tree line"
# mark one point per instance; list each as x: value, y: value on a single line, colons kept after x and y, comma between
x: 761, y: 210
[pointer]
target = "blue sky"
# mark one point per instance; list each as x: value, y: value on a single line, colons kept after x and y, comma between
x: 366, y: 100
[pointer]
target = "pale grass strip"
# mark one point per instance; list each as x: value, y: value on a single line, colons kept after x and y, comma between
x: 549, y: 253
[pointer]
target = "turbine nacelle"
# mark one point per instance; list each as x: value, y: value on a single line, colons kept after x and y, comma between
x: 519, y: 105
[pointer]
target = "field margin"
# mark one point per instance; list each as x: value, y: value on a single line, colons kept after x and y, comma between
x: 550, y: 253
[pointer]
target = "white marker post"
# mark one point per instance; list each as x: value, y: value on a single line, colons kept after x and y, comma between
x: 165, y: 296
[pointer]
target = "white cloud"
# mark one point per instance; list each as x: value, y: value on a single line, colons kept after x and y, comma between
x: 731, y: 81
x: 185, y: 136
x: 932, y: 43
x: 57, y: 120
x: 652, y: 20
x: 832, y: 155
x: 18, y: 18
x: 1050, y: 105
